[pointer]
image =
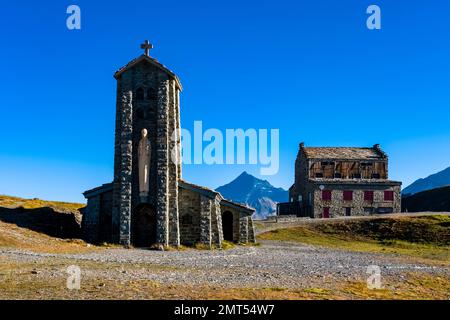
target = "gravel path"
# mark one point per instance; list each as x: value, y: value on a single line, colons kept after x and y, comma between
x: 273, y: 264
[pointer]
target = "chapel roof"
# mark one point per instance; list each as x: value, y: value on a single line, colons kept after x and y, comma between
x: 153, y: 61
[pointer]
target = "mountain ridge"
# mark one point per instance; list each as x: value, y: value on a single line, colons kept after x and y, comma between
x: 254, y: 192
x: 433, y: 181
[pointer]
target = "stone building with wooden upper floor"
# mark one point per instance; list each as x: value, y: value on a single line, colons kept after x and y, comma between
x: 148, y: 203
x: 341, y: 181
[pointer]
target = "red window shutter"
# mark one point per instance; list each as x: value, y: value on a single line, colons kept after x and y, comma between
x: 348, y: 195
x: 388, y: 195
x: 326, y: 213
x: 326, y: 195
x: 368, y: 195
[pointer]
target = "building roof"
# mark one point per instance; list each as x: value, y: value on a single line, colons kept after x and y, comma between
x: 327, y: 181
x: 344, y: 153
x: 152, y: 61
x: 236, y: 205
x: 200, y: 189
x: 106, y: 187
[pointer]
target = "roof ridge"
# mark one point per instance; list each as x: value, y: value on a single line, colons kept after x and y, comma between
x: 152, y: 60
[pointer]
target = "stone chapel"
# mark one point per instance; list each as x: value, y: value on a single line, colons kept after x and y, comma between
x: 148, y: 203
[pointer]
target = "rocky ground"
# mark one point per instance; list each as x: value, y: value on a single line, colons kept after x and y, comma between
x: 33, y: 265
x: 274, y: 265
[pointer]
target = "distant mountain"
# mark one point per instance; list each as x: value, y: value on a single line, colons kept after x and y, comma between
x: 435, y: 200
x: 256, y: 193
x: 436, y: 180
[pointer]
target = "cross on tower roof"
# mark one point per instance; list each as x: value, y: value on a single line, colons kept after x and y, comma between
x: 147, y: 46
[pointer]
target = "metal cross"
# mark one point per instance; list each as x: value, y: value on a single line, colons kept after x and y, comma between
x: 147, y: 46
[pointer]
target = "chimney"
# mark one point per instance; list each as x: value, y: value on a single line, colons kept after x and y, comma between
x: 377, y: 148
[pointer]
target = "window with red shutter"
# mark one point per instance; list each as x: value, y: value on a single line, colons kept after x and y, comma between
x: 368, y: 195
x: 326, y: 195
x: 388, y: 195
x: 348, y: 195
x: 326, y: 213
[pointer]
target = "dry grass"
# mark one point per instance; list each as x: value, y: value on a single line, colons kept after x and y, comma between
x: 46, y: 279
x: 426, y: 238
x: 12, y: 236
x: 15, y: 202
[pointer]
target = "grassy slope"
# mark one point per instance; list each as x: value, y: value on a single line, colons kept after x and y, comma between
x: 12, y: 236
x: 14, y: 202
x: 426, y: 237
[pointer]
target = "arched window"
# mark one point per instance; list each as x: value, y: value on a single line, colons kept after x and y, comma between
x: 151, y: 94
x: 186, y: 219
x: 140, y: 94
x: 140, y: 114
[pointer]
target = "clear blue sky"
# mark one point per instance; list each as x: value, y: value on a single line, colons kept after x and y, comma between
x: 309, y: 68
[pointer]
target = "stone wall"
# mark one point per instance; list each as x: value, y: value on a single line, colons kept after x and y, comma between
x: 125, y: 178
x: 251, y: 231
x: 243, y: 230
x: 189, y: 216
x: 174, y: 232
x: 216, y: 222
x: 300, y: 187
x: 91, y: 219
x: 105, y: 219
x: 96, y: 223
x: 357, y: 205
x: 162, y: 164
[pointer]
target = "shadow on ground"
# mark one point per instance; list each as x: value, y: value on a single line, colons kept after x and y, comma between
x: 44, y: 220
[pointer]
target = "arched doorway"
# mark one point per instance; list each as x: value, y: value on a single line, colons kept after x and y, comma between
x: 227, y: 225
x: 143, y: 226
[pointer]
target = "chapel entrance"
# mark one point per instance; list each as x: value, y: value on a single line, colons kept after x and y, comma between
x: 227, y: 225
x: 143, y: 226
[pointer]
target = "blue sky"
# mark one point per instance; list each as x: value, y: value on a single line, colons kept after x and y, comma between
x: 308, y: 68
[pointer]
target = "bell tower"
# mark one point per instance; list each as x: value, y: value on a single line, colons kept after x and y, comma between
x: 147, y: 98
